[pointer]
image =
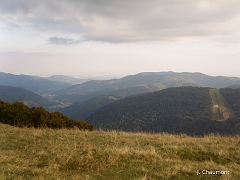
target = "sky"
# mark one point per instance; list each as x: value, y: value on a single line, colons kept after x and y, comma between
x: 93, y: 38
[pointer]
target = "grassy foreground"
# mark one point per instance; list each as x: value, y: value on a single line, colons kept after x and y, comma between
x: 27, y: 153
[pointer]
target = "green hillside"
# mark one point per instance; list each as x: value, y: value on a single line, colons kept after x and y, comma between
x: 82, y: 110
x: 13, y: 94
x: 174, y: 110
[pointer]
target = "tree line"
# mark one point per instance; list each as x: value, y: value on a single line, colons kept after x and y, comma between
x: 18, y: 114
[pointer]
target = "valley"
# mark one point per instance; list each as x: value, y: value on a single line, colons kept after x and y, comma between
x: 150, y: 102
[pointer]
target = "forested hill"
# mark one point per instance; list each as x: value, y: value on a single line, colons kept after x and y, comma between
x: 175, y: 110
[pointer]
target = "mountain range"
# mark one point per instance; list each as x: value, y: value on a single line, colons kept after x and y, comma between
x: 134, y: 84
x: 66, y: 79
x: 13, y: 94
x: 66, y: 86
x: 142, y: 83
x: 151, y: 101
x: 36, y: 84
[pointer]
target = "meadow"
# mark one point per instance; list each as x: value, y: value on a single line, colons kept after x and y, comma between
x: 28, y: 153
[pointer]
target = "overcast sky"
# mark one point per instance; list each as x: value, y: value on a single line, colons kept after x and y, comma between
x: 106, y: 37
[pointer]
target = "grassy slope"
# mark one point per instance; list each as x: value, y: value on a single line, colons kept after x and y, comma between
x: 216, y: 112
x: 222, y: 102
x: 73, y: 154
x: 219, y: 100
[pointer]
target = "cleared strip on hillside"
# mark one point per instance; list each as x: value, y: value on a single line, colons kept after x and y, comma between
x: 221, y: 111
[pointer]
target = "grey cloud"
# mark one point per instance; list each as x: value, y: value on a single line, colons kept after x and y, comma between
x: 62, y: 25
x: 10, y: 26
x: 126, y: 21
x: 12, y: 6
x: 26, y: 6
x: 62, y: 40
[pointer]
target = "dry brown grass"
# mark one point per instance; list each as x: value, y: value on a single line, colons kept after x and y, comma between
x: 73, y: 154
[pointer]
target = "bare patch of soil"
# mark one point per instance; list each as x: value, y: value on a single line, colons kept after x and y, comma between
x: 226, y: 116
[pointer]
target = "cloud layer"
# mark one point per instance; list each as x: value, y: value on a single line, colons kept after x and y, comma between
x: 61, y: 40
x: 124, y: 21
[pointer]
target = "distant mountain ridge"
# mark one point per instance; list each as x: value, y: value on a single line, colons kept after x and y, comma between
x: 162, y: 79
x: 141, y: 83
x: 13, y: 94
x: 203, y: 79
x: 130, y: 81
x: 66, y: 79
x: 130, y: 85
x: 32, y: 83
x: 56, y: 89
x: 154, y: 81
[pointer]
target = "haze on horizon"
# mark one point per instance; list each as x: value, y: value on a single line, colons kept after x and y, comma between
x: 117, y: 38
